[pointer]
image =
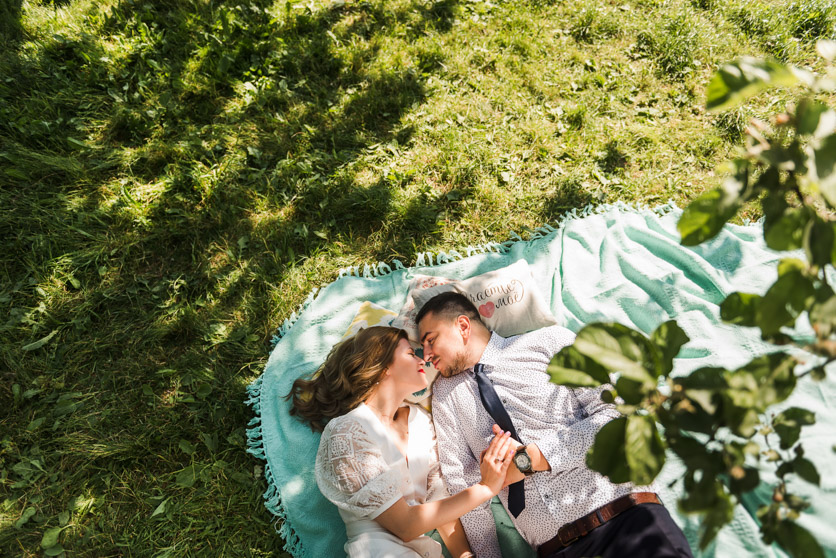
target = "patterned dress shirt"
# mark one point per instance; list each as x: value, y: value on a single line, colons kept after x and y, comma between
x: 562, y: 422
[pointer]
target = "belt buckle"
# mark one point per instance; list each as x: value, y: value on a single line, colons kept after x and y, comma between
x: 570, y: 541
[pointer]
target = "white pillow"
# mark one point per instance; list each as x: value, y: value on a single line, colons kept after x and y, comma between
x: 406, y: 317
x: 507, y: 300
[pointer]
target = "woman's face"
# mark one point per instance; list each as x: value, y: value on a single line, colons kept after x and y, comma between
x: 407, y: 370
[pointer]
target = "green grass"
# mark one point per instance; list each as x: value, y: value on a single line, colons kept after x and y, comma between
x: 177, y: 175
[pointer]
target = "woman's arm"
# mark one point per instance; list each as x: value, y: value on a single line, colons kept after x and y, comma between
x: 409, y: 522
x: 454, y: 539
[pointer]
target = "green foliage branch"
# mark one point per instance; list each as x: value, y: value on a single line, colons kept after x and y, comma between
x: 718, y: 421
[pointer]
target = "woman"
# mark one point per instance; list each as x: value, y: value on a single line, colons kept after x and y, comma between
x: 377, y: 459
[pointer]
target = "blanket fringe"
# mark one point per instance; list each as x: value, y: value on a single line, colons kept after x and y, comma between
x: 255, y: 442
x: 272, y: 498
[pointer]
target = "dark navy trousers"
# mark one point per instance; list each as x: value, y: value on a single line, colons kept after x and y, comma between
x: 643, y: 531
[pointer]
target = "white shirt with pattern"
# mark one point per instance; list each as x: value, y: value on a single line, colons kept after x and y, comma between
x: 562, y: 422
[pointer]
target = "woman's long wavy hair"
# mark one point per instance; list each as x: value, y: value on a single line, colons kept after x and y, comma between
x: 347, y: 377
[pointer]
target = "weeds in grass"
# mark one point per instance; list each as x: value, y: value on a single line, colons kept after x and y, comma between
x: 732, y: 123
x: 591, y: 23
x: 704, y: 4
x: 674, y: 45
x: 811, y: 20
x: 760, y: 24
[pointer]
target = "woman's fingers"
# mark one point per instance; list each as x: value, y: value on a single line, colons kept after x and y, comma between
x: 497, y: 451
x: 496, y: 446
x: 506, y: 448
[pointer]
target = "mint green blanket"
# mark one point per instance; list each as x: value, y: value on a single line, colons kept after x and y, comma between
x: 613, y: 263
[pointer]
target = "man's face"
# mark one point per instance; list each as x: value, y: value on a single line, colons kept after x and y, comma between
x: 443, y: 343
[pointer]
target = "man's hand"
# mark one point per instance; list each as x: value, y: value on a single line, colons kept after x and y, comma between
x: 538, y: 462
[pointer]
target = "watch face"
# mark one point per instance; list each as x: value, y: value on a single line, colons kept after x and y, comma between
x: 523, y: 462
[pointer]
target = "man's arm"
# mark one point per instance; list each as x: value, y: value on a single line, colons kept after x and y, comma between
x: 460, y: 469
x: 566, y: 449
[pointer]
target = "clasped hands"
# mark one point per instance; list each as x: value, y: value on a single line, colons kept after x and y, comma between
x: 513, y: 474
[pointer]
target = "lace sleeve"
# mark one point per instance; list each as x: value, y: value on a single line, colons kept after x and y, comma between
x: 351, y: 472
x: 436, y: 489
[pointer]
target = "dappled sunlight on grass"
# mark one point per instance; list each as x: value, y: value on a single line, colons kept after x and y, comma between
x: 177, y: 175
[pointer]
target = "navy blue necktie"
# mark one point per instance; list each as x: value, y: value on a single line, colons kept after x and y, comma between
x: 495, y: 408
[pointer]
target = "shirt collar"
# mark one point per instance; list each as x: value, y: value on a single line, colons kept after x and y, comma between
x: 491, y: 354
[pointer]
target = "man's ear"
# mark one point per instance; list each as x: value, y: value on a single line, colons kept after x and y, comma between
x: 464, y: 327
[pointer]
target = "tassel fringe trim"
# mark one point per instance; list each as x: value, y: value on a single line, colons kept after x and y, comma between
x: 255, y: 442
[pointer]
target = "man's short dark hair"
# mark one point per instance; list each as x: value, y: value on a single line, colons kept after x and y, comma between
x: 449, y: 306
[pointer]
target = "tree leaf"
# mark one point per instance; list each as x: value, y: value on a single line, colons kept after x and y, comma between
x: 823, y: 312
x: 607, y: 455
x: 748, y: 482
x: 790, y: 295
x: 702, y: 387
x: 644, y: 448
x: 571, y: 378
x: 814, y: 118
x: 824, y: 156
x: 740, y: 309
x: 669, y: 339
x: 819, y: 242
x: 805, y: 469
x: 783, y: 227
x: 788, y: 265
x: 797, y: 541
x: 733, y: 83
x: 692, y: 453
x: 55, y: 550
x: 618, y: 349
x: 718, y: 515
x: 788, y: 423
x: 570, y: 368
x: 773, y: 377
x: 631, y: 391
x: 705, y: 216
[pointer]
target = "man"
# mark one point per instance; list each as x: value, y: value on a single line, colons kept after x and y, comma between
x: 560, y: 507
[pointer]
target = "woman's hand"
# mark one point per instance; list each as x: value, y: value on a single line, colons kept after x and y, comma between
x: 495, y: 462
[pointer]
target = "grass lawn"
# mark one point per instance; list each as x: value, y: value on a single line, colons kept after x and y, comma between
x: 177, y: 175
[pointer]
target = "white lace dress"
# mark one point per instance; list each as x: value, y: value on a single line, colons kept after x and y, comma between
x: 361, y: 470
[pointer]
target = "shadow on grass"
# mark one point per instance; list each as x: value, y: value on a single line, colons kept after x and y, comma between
x: 159, y: 180
x: 10, y: 28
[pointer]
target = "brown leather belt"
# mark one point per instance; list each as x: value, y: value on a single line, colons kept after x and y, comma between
x: 571, y: 532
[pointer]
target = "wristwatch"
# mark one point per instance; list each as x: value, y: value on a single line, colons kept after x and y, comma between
x: 523, y: 461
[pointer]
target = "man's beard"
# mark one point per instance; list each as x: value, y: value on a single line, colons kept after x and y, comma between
x: 458, y: 366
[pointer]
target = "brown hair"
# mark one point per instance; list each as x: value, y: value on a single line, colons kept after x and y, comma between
x: 347, y: 377
x: 448, y: 306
